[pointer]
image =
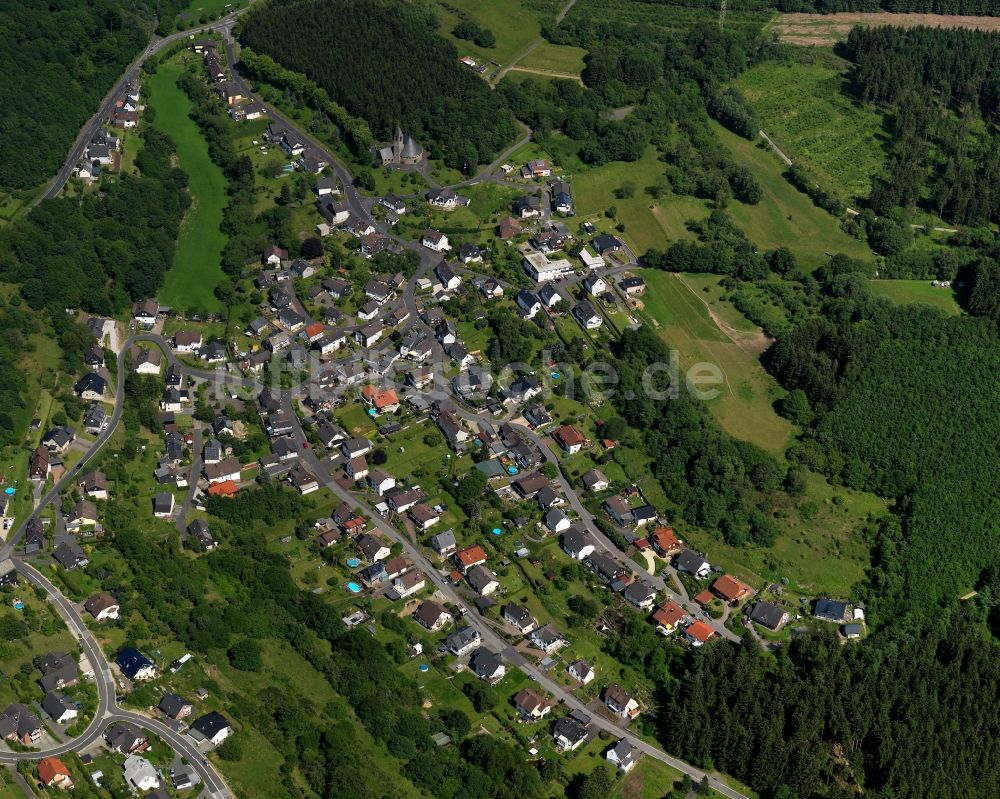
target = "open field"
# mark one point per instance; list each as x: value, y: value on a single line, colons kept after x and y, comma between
x: 514, y: 23
x: 825, y: 29
x: 917, y: 292
x: 555, y: 58
x: 803, y: 107
x: 197, y: 269
x: 785, y: 216
x: 744, y: 408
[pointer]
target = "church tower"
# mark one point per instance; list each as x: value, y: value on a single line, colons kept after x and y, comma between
x: 397, y: 144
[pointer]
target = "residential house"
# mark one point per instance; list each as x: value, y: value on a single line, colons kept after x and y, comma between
x: 34, y: 536
x: 444, y: 543
x: 144, y: 313
x: 229, y: 469
x: 577, y: 543
x: 102, y: 606
x: 730, y: 589
x: 508, y: 228
x: 582, y: 672
x: 199, y: 530
x: 135, y: 665
x: 487, y: 666
x: 639, y: 594
x: 536, y: 415
x: 632, y: 286
x: 355, y: 447
x: 58, y: 671
x: 830, y: 610
x: 587, y: 315
x: 769, y: 615
x: 643, y: 515
x: 424, y: 517
x: 520, y: 617
x: 482, y: 580
x: 412, y: 582
x: 18, y: 723
x: 606, y: 568
x: 530, y: 705
x: 39, y: 464
x: 569, y: 734
x: 126, y: 738
x: 463, y: 641
x: 380, y: 481
x: 546, y: 639
x: 473, y: 555
x: 431, y: 616
x: 52, y: 773
x: 665, y: 542
x: 606, y: 243
x: 446, y: 275
x: 698, y: 633
x: 274, y: 255
x: 623, y: 755
x: 528, y: 206
x: 541, y: 269
x: 94, y: 485
x: 569, y: 438
x: 373, y: 548
x: 82, y: 514
x: 70, y: 556
x: 594, y: 480
x: 556, y: 521
x: 562, y: 197
x: 433, y: 240
x: 187, y: 341
x: 95, y: 420
x: 175, y: 707
x: 90, y: 387
x: 618, y: 509
x: 691, y: 562
x: 620, y: 702
x: 212, y: 727
x: 58, y: 439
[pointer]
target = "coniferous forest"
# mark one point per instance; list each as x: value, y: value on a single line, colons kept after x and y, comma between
x: 58, y: 60
x: 385, y: 62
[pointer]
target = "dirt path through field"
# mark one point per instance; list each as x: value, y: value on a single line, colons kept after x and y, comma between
x: 753, y: 341
x: 825, y: 29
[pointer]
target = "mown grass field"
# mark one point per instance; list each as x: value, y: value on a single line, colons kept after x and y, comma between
x: 803, y: 107
x: 745, y: 406
x: 196, y: 269
x: 917, y: 292
x: 555, y: 58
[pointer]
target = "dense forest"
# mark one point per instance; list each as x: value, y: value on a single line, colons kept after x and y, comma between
x: 59, y: 59
x: 970, y: 7
x: 938, y: 85
x: 906, y: 714
x: 387, y: 63
x: 106, y: 250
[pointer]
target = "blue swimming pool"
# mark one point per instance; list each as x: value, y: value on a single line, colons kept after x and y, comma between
x: 10, y: 491
x: 497, y: 531
x: 424, y: 667
x: 353, y: 563
x: 556, y: 375
x: 353, y: 587
x: 372, y: 412
x: 511, y: 470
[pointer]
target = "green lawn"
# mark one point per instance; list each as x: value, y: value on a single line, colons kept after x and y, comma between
x: 666, y: 16
x: 917, y: 292
x: 555, y: 58
x: 515, y: 23
x: 197, y: 265
x: 804, y: 109
x: 745, y: 406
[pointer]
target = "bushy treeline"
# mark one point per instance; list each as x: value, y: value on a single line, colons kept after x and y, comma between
x: 387, y: 63
x: 58, y: 61
x: 937, y: 84
x: 732, y: 109
x: 107, y: 249
x: 969, y: 7
x: 722, y: 249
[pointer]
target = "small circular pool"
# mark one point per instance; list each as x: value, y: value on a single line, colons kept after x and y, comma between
x: 353, y: 563
x: 511, y: 470
x: 10, y: 491
x: 424, y: 667
x: 555, y: 375
x: 372, y: 412
x: 353, y: 587
x: 497, y: 531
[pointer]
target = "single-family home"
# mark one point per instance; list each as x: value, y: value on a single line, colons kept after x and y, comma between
x: 698, y: 633
x: 59, y: 708
x: 175, y: 707
x: 473, y: 555
x: 569, y: 734
x: 581, y: 671
x: 433, y: 240
x: 570, y: 438
x: 126, y: 738
x: 90, y: 387
x: 691, y: 562
x: 577, y: 543
x: 665, y: 542
x: 431, y: 616
x: 530, y: 705
x: 623, y: 755
x: 620, y: 702
x: 482, y: 580
x: 52, y: 773
x: 487, y: 666
x: 520, y: 617
x: 668, y: 617
x: 546, y: 639
x: 587, y: 315
x: 212, y: 727
x: 730, y: 589
x: 373, y: 547
x: 446, y: 275
x: 618, y: 509
x: 102, y: 606
x: 639, y: 594
x: 444, y: 543
x: 463, y: 641
x: 769, y: 615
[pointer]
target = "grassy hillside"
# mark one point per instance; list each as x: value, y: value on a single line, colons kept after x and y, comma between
x: 916, y: 292
x: 197, y: 267
x: 803, y: 108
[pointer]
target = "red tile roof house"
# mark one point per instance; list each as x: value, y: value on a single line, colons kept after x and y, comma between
x: 530, y: 705
x: 385, y: 401
x: 699, y: 633
x: 668, y: 616
x: 665, y: 542
x: 52, y: 773
x: 731, y: 590
x: 471, y: 556
x: 570, y: 438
